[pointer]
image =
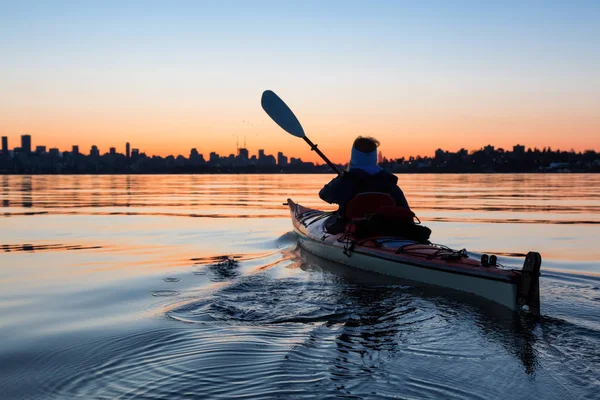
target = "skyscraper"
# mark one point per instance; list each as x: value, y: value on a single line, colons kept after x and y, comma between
x: 282, y: 160
x: 112, y: 151
x: 75, y: 149
x: 196, y: 158
x: 243, y: 154
x: 127, y: 150
x: 518, y: 149
x: 5, y: 145
x: 26, y: 143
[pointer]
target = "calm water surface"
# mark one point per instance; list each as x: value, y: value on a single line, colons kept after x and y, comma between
x: 116, y: 287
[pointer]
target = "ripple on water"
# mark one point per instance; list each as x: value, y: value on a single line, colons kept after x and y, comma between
x: 179, y: 363
x: 365, y: 314
x: 27, y: 247
x: 261, y: 336
x: 267, y: 334
x: 165, y: 293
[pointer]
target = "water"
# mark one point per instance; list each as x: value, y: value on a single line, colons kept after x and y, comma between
x: 191, y: 287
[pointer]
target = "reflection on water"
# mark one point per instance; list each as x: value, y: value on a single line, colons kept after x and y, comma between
x: 45, y: 247
x: 191, y: 287
x: 526, y: 198
x: 498, y: 324
x: 5, y: 191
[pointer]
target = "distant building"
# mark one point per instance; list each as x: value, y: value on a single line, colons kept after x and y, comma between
x: 282, y: 160
x: 127, y: 150
x: 243, y: 154
x: 196, y: 158
x: 518, y: 149
x: 441, y: 154
x: 264, y: 159
x: 180, y: 161
x: 5, y: 145
x: 75, y: 150
x: 213, y: 158
x: 112, y: 151
x: 270, y: 160
x: 94, y: 152
x: 54, y: 152
x: 489, y: 149
x: 135, y: 153
x: 26, y: 143
x: 40, y: 149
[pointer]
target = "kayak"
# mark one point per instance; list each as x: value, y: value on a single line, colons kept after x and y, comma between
x: 421, y: 262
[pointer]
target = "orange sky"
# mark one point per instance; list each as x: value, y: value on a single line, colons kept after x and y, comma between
x: 409, y: 130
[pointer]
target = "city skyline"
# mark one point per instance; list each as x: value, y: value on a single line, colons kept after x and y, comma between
x: 24, y: 160
x: 27, y: 146
x: 241, y: 153
x: 417, y: 76
x: 241, y: 158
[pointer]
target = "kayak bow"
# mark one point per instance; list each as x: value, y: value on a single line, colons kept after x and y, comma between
x: 420, y: 262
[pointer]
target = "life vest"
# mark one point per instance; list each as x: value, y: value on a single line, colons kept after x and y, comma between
x: 365, y: 205
x: 376, y: 214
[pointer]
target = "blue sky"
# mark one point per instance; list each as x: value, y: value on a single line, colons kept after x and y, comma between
x: 350, y: 67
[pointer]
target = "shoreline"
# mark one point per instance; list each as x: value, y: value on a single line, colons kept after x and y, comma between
x: 301, y: 173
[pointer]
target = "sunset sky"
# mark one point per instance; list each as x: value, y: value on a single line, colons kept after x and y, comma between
x: 168, y: 76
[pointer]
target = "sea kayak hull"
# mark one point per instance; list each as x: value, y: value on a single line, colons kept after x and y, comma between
x: 429, y: 264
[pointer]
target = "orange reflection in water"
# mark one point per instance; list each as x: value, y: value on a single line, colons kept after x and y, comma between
x: 504, y: 213
x: 545, y: 198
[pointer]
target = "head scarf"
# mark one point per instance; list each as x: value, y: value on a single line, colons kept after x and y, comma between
x: 365, y: 161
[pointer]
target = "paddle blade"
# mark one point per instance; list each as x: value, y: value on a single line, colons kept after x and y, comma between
x: 281, y: 113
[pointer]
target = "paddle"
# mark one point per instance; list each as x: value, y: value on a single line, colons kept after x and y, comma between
x: 285, y: 118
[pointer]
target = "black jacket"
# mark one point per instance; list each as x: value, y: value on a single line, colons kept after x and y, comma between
x: 343, y: 188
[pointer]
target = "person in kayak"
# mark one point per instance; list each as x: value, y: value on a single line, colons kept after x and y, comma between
x: 363, y: 175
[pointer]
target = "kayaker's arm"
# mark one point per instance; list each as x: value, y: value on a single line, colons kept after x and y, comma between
x: 330, y: 192
x: 399, y: 197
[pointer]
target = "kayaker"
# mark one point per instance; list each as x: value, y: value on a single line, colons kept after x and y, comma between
x: 363, y: 175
